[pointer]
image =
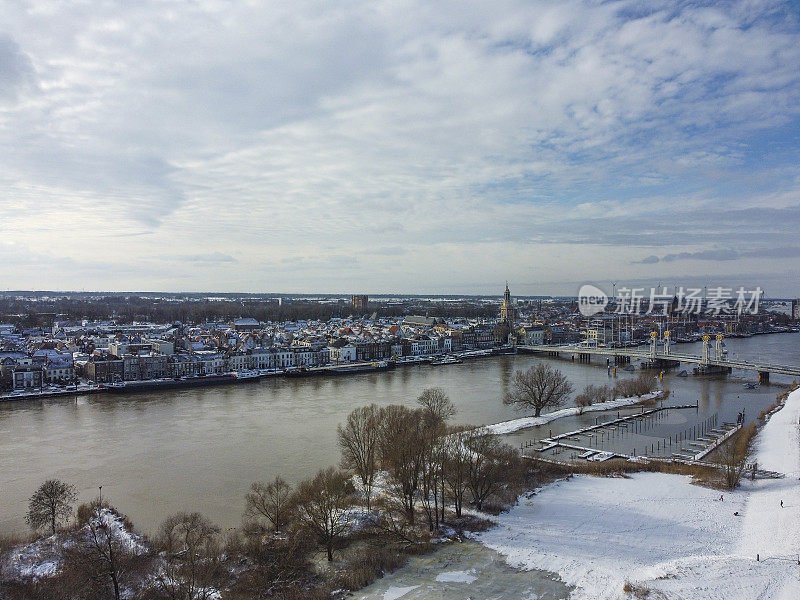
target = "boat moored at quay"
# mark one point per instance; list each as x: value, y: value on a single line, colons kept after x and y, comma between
x: 450, y: 359
x: 168, y: 384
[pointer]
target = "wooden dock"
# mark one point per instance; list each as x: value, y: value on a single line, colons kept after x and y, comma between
x: 693, y: 444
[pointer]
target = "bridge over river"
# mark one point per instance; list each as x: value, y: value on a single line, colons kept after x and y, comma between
x: 709, y: 361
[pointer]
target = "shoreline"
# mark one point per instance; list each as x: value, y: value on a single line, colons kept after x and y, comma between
x: 514, y: 425
x: 659, y: 532
x: 229, y: 378
x: 294, y: 372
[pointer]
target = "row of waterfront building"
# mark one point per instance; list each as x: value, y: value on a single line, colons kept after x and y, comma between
x: 105, y: 352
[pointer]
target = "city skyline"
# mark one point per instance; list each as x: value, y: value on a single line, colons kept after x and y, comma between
x: 416, y: 149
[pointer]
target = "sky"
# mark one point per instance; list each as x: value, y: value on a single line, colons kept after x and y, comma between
x: 406, y: 147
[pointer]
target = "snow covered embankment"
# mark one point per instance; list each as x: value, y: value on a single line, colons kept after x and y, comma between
x: 43, y: 557
x: 662, y: 533
x: 526, y: 422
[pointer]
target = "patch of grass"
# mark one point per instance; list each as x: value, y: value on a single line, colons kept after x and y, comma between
x: 9, y: 541
x: 637, y: 591
x: 608, y: 468
x: 647, y: 402
x: 618, y: 467
x: 472, y: 523
x: 363, y: 565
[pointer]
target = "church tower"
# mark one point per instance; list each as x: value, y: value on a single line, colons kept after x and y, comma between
x: 507, y: 315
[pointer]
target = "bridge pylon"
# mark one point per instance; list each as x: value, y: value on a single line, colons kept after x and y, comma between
x: 704, y: 354
x: 653, y: 342
x: 666, y: 342
x: 718, y: 352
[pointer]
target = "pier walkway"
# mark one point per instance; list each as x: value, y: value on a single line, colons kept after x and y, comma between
x: 692, y: 445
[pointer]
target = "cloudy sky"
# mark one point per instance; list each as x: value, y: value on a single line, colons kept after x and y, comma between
x: 398, y: 146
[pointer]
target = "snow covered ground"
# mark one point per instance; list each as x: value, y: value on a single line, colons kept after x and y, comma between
x: 525, y: 422
x: 663, y: 533
x: 43, y: 557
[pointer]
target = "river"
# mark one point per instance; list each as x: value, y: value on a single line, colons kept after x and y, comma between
x: 199, y: 449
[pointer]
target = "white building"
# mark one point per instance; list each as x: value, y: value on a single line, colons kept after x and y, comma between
x: 534, y: 336
x: 346, y: 353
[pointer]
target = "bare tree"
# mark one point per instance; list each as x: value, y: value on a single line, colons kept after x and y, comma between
x: 492, y: 465
x: 457, y: 457
x: 51, y: 504
x: 437, y: 405
x: 270, y: 501
x: 437, y: 408
x: 104, y: 564
x: 583, y: 400
x: 106, y: 549
x: 603, y: 393
x: 734, y: 453
x: 323, y: 504
x: 358, y: 440
x: 393, y: 519
x: 401, y: 445
x: 278, y: 567
x: 592, y: 394
x: 637, y: 386
x: 431, y: 464
x: 191, y: 569
x: 539, y: 387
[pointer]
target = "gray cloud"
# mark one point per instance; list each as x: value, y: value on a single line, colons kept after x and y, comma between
x: 390, y: 251
x: 648, y: 260
x: 213, y: 257
x: 726, y: 254
x: 16, y: 71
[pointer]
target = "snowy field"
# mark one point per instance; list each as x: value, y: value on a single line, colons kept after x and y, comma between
x: 660, y: 532
x: 526, y: 422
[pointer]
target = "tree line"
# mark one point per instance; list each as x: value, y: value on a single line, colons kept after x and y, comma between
x: 405, y: 472
x: 543, y: 386
x: 128, y: 308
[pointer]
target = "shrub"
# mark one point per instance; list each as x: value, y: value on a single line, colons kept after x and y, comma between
x: 366, y: 564
x: 638, y: 386
x: 582, y: 401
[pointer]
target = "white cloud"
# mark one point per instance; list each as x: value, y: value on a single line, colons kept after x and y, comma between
x: 295, y: 135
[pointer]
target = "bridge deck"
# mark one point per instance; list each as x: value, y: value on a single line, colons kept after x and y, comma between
x: 676, y: 356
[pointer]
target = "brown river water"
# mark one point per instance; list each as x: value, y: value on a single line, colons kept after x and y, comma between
x: 156, y: 453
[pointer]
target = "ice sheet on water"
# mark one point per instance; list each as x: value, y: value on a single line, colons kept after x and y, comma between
x: 456, y: 577
x: 393, y: 593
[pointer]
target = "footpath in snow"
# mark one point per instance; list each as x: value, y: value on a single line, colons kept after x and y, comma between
x: 526, y: 422
x: 662, y: 533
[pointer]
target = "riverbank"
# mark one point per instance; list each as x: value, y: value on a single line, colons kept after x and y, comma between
x: 660, y: 532
x: 51, y: 393
x: 338, y: 370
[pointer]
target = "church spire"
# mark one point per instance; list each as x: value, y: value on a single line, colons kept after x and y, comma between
x: 507, y: 309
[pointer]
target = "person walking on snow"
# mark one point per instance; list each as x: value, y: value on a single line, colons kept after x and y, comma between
x: 721, y: 499
x: 781, y: 503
